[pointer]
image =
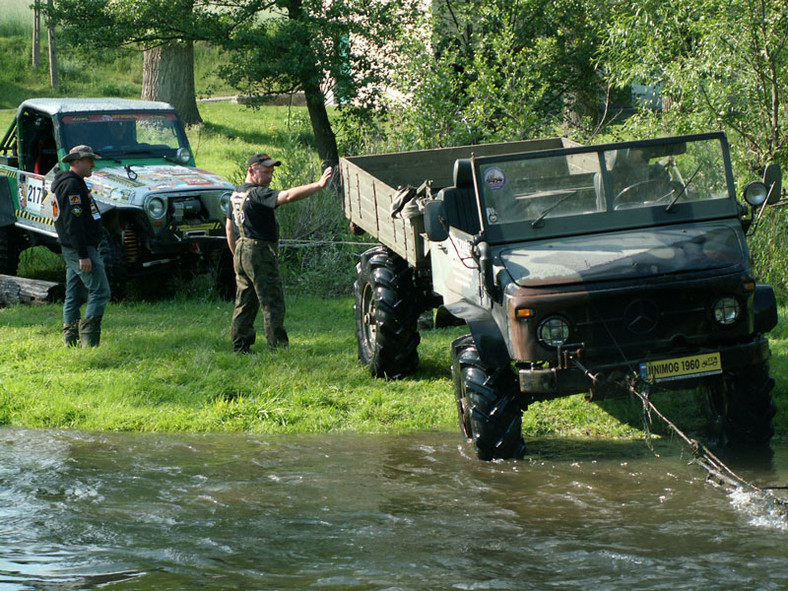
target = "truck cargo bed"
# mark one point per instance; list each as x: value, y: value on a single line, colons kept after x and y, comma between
x: 371, y: 183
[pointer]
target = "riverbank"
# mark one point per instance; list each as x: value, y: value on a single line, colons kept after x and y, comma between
x: 166, y: 366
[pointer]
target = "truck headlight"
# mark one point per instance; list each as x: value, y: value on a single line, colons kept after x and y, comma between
x: 755, y: 193
x: 726, y: 310
x: 156, y: 207
x: 553, y: 331
x: 224, y: 202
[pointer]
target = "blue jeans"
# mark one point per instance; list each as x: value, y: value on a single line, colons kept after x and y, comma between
x: 91, y: 288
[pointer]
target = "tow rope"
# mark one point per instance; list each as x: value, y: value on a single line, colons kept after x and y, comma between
x: 718, y: 474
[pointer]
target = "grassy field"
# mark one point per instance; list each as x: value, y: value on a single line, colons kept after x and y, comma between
x: 167, y: 366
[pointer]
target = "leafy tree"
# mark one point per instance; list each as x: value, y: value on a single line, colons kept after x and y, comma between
x: 719, y: 66
x: 344, y: 48
x: 505, y: 69
x: 164, y: 29
x: 273, y: 46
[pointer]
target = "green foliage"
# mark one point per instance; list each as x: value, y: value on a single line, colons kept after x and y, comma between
x: 501, y: 70
x: 719, y: 65
x: 767, y: 241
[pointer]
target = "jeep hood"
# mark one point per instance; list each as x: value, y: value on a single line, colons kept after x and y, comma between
x: 626, y: 255
x: 117, y: 184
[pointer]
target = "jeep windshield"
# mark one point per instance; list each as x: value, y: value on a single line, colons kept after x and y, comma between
x: 125, y: 135
x: 536, y: 195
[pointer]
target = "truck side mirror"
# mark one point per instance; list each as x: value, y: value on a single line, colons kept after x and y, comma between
x: 773, y: 179
x: 435, y: 221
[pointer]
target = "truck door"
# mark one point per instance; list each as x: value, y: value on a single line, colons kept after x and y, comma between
x: 37, y: 158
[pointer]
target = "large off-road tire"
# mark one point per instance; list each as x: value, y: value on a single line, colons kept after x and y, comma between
x: 224, y: 278
x: 9, y: 250
x: 218, y: 264
x: 742, y: 406
x: 111, y: 251
x: 387, y: 312
x: 487, y: 406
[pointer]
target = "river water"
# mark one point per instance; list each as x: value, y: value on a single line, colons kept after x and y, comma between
x: 357, y: 512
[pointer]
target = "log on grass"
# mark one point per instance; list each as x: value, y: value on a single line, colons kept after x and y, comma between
x: 21, y: 290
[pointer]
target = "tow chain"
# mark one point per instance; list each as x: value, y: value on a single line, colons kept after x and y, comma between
x: 718, y: 474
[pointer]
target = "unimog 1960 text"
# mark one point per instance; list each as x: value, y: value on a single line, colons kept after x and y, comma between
x: 577, y: 269
x: 157, y: 208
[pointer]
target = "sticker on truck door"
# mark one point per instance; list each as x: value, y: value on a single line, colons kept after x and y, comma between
x: 33, y: 195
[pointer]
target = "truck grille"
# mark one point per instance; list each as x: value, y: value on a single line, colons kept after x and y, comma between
x: 634, y: 325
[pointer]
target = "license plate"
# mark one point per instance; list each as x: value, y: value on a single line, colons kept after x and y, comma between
x: 681, y: 368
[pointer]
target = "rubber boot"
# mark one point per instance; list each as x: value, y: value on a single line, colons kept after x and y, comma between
x: 90, y: 332
x: 71, y: 333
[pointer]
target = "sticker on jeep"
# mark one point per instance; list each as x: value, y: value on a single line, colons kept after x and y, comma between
x: 32, y: 194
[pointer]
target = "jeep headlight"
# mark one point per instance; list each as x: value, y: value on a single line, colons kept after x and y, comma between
x: 156, y: 207
x: 726, y: 310
x: 224, y: 202
x: 553, y: 331
x: 183, y: 155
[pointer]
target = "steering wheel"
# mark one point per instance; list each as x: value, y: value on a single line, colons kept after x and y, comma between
x: 649, y: 191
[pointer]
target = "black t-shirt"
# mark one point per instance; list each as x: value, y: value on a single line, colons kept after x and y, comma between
x: 252, y: 210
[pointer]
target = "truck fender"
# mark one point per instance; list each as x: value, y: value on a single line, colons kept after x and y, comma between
x: 764, y: 308
x: 489, y: 340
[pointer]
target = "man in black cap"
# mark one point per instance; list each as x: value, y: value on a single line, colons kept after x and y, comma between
x: 256, y: 251
x: 79, y: 229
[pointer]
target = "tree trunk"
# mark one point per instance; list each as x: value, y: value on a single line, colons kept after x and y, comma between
x: 321, y: 126
x: 54, y: 73
x: 20, y: 290
x: 168, y: 75
x: 36, y: 36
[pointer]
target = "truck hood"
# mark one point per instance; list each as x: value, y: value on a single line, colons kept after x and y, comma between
x: 626, y: 255
x: 114, y: 182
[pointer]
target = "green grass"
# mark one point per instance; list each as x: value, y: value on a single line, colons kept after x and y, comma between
x: 168, y: 367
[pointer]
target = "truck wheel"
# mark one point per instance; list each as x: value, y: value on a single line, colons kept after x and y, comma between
x: 387, y: 313
x: 223, y: 274
x: 743, y: 407
x: 111, y: 251
x: 9, y: 251
x: 490, y: 416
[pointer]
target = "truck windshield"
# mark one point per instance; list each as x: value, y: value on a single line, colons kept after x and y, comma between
x: 641, y: 183
x: 124, y: 134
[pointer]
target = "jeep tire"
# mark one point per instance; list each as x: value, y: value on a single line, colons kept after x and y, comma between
x: 487, y: 407
x: 111, y: 251
x: 387, y: 313
x: 9, y: 250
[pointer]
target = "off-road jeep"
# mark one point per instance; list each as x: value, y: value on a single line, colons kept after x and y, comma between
x: 577, y: 269
x: 157, y: 208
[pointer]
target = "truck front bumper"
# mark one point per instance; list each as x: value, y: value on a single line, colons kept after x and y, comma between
x: 575, y: 376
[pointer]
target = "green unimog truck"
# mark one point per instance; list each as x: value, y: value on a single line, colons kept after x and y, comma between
x: 159, y: 211
x: 577, y: 269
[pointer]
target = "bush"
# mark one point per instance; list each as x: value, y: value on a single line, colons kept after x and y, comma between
x: 766, y: 241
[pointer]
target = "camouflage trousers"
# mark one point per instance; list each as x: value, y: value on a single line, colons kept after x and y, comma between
x: 258, y: 285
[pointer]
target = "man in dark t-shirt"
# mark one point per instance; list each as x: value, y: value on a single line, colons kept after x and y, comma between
x: 256, y: 251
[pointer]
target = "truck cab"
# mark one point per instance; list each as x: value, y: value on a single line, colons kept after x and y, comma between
x: 158, y: 208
